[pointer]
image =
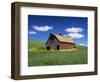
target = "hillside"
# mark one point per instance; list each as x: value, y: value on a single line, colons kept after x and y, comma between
x: 39, y: 56
x: 35, y: 43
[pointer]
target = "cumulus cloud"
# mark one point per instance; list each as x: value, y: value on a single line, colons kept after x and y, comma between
x: 82, y: 44
x: 75, y: 32
x: 32, y: 32
x: 42, y: 28
x: 75, y: 35
x: 74, y: 29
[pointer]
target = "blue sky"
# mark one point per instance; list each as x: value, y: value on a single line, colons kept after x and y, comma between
x: 40, y: 27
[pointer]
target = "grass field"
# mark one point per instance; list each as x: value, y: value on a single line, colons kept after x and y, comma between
x: 39, y: 56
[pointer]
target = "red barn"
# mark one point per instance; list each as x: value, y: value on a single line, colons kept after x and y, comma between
x: 59, y: 42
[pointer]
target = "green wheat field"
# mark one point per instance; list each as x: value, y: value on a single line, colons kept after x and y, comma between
x: 39, y: 56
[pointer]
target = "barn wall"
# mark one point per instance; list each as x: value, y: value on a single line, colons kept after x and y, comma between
x: 52, y: 44
x: 66, y: 45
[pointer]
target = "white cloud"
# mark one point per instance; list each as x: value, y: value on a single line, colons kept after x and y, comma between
x: 76, y: 35
x: 75, y: 32
x: 42, y: 28
x: 82, y: 44
x: 74, y: 29
x: 65, y: 35
x: 32, y: 32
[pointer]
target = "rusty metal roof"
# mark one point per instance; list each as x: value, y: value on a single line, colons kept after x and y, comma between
x: 63, y: 38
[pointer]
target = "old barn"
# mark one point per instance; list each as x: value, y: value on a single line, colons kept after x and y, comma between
x: 59, y: 42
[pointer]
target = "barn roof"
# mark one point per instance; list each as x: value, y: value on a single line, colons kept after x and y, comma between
x: 63, y: 38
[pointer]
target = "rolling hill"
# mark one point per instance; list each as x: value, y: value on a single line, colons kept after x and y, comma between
x: 35, y: 43
x: 39, y: 56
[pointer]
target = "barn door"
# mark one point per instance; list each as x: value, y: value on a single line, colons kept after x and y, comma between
x: 48, y: 48
x: 57, y: 47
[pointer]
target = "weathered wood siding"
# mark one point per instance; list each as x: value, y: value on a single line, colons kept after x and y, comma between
x: 66, y: 45
x: 52, y: 44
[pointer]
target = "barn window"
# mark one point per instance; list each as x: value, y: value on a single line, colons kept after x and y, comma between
x: 51, y: 38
